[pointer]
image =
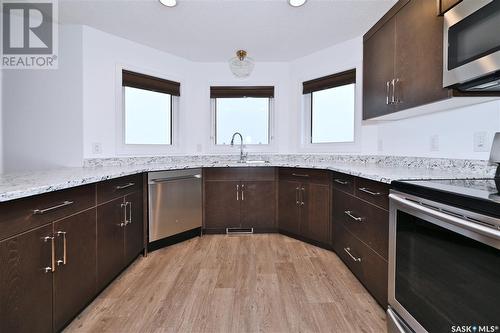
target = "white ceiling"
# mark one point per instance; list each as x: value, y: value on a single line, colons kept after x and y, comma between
x: 212, y: 30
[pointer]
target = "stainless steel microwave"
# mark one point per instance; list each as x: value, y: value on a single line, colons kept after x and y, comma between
x: 471, y: 46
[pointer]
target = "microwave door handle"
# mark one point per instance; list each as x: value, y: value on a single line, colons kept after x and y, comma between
x: 495, y: 234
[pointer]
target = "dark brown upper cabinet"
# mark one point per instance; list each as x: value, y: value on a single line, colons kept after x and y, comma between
x: 403, y: 59
x: 446, y: 5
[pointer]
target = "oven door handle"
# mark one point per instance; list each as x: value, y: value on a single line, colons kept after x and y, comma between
x: 490, y: 232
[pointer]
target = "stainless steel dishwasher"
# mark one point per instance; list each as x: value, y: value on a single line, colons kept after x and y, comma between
x: 175, y: 203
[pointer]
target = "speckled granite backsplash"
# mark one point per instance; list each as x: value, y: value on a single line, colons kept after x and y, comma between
x: 444, y: 164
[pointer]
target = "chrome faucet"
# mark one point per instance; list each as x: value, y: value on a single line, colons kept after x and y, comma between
x: 242, y: 156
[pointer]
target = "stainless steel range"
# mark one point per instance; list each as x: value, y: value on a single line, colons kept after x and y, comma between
x: 444, y: 255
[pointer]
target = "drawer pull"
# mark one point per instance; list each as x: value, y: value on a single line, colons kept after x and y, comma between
x: 47, y: 210
x: 122, y: 187
x: 348, y: 251
x: 367, y: 191
x: 341, y: 182
x: 300, y: 175
x: 355, y: 218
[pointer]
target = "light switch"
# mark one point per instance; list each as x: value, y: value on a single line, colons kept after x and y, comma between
x: 481, y: 142
x: 96, y: 148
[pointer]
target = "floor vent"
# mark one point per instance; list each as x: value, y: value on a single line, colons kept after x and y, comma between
x: 239, y: 231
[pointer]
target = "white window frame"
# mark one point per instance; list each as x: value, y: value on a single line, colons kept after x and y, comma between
x: 252, y: 148
x: 306, y: 120
x: 144, y: 149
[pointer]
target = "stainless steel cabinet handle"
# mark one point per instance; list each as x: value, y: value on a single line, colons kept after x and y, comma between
x: 387, y: 84
x: 393, y: 98
x: 242, y: 192
x: 341, y: 181
x: 297, y: 202
x: 64, y: 260
x: 122, y: 187
x: 52, y: 267
x: 368, y: 191
x: 47, y: 210
x: 302, y: 196
x: 300, y: 175
x: 125, y: 221
x: 355, y: 218
x: 237, y: 192
x: 129, y: 212
x: 348, y: 251
x: 162, y: 180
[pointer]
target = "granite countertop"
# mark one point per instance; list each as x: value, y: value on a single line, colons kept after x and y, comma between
x: 385, y: 169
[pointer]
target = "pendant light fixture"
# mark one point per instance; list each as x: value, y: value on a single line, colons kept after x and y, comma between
x: 241, y: 65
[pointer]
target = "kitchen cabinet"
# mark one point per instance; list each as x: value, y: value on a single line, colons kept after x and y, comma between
x: 304, y: 204
x: 289, y: 206
x: 361, y: 230
x: 75, y: 275
x: 239, y: 198
x: 58, y: 249
x: 446, y: 5
x: 26, y: 281
x: 403, y: 59
x: 119, y: 227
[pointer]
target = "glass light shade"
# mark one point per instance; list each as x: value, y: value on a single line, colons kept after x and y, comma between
x: 241, y: 66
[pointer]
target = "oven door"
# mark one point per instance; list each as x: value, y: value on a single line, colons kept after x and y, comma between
x: 444, y: 270
x: 471, y: 42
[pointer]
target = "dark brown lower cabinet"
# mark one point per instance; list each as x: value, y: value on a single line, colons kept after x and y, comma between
x: 222, y: 204
x: 239, y: 198
x: 134, y: 243
x: 110, y: 241
x: 317, y: 207
x: 257, y: 205
x: 304, y: 204
x: 288, y: 206
x: 75, y: 275
x: 26, y: 282
x: 369, y: 267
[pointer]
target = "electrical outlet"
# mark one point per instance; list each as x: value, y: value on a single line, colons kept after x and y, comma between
x: 481, y: 142
x: 435, y: 143
x: 96, y: 148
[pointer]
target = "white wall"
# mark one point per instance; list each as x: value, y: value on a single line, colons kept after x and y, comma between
x: 52, y: 118
x: 407, y: 137
x: 1, y: 121
x: 42, y: 111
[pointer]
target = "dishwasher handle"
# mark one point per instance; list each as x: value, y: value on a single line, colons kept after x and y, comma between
x: 167, y: 179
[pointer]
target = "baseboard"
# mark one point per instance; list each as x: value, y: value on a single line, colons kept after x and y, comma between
x: 158, y: 244
x: 222, y: 231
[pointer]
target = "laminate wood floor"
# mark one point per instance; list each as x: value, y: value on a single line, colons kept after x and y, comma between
x: 219, y: 283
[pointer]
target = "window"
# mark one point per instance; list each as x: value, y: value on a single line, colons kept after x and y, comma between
x: 331, y: 103
x: 246, y: 110
x: 148, y: 105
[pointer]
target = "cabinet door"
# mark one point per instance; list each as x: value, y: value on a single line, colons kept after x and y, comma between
x: 75, y: 276
x: 419, y: 55
x: 222, y: 204
x: 258, y: 205
x: 316, y: 213
x: 25, y: 285
x: 110, y: 241
x: 134, y: 241
x: 288, y: 206
x: 378, y: 69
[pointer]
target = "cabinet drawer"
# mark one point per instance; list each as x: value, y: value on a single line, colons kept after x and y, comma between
x: 305, y: 175
x: 24, y: 214
x: 367, y: 222
x: 240, y: 173
x: 118, y: 187
x: 369, y: 268
x: 374, y: 192
x: 343, y: 182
